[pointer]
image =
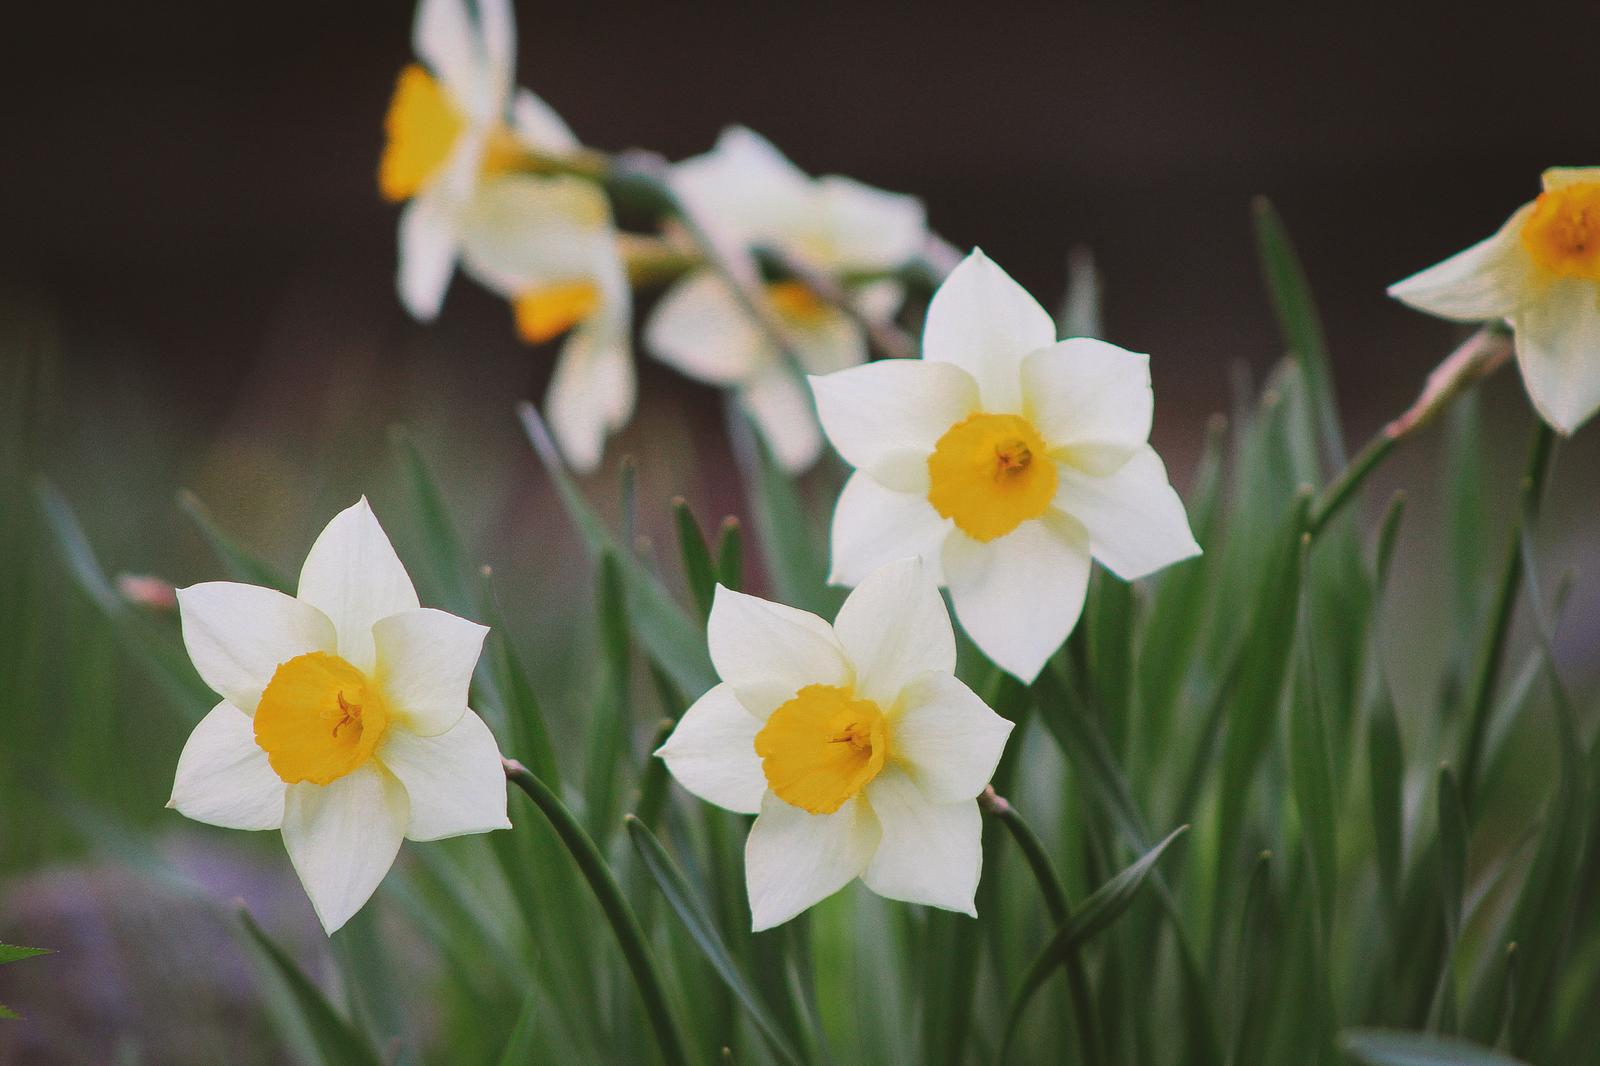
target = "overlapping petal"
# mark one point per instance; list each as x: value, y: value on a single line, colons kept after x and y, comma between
x: 353, y: 576
x: 1484, y: 282
x: 985, y: 323
x: 780, y: 405
x: 1135, y: 520
x: 454, y: 781
x: 929, y: 853
x: 1558, y: 349
x: 894, y: 627
x: 223, y: 776
x: 342, y: 838
x: 884, y: 418
x: 1087, y: 392
x: 428, y: 248
x: 869, y: 229
x: 425, y: 660
x: 946, y: 739
x: 712, y: 752
x: 794, y: 860
x: 238, y: 635
x: 700, y: 329
x: 767, y: 652
x: 592, y: 392
x: 873, y: 526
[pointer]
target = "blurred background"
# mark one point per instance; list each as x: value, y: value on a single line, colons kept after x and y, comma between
x: 194, y: 246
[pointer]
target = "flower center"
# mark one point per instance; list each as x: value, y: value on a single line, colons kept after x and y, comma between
x: 795, y: 301
x: 989, y: 474
x: 1562, y: 234
x: 318, y: 719
x: 822, y: 747
x: 421, y: 127
x: 550, y: 310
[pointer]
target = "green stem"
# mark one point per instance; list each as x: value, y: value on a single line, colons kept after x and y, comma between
x: 630, y: 937
x: 1491, y: 653
x: 1055, y: 901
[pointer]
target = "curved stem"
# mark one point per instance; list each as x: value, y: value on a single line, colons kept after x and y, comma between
x: 1055, y: 901
x: 630, y: 937
x: 1491, y: 653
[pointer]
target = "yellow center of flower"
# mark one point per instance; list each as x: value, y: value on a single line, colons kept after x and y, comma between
x: 550, y: 310
x: 421, y: 127
x: 795, y: 301
x: 822, y: 747
x: 319, y: 719
x: 1562, y: 234
x: 989, y: 474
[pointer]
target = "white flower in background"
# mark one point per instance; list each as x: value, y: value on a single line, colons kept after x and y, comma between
x: 751, y: 196
x: 1006, y: 460
x: 454, y: 125
x: 857, y: 748
x: 343, y: 720
x: 548, y: 244
x: 1541, y: 273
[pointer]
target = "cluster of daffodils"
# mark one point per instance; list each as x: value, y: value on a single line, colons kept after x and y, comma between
x: 486, y: 174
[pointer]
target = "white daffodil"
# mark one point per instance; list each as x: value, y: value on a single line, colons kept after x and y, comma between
x: 856, y: 747
x: 752, y: 197
x: 344, y: 718
x: 1006, y: 460
x: 549, y: 246
x: 1541, y: 273
x: 453, y: 125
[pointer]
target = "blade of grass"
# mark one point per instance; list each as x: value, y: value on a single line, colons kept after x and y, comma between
x: 341, y: 1043
x: 241, y: 565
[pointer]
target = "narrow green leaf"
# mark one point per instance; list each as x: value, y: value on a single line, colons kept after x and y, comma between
x: 1300, y: 323
x: 1103, y: 907
x: 611, y: 725
x: 791, y: 546
x: 1386, y: 781
x: 1108, y: 625
x: 446, y: 566
x: 530, y: 733
x: 691, y: 911
x: 15, y: 953
x: 240, y: 564
x: 730, y: 554
x: 1467, y: 521
x: 1380, y: 1047
x: 1253, y: 965
x: 340, y: 1043
x: 697, y: 567
x: 1388, y: 538
x: 1310, y: 769
x: 664, y: 628
x: 520, y: 1046
x: 1453, y: 887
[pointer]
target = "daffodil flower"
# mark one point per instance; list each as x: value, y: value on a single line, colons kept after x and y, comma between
x: 855, y: 746
x: 454, y: 124
x: 753, y: 197
x: 1006, y: 460
x: 549, y: 246
x: 344, y: 718
x: 1541, y: 273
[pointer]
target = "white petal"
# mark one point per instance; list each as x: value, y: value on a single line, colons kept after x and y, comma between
x: 699, y: 328
x: 1135, y: 519
x: 985, y: 323
x: 537, y: 123
x: 1085, y: 391
x: 869, y: 229
x: 428, y: 245
x: 499, y: 35
x: 780, y: 405
x: 454, y: 781
x: 712, y: 752
x: 444, y: 39
x: 886, y: 417
x: 1484, y: 282
x: 873, y: 525
x: 522, y: 231
x: 592, y: 392
x: 342, y: 838
x: 223, y: 775
x: 238, y: 635
x: 1019, y: 596
x: 747, y: 186
x: 946, y: 739
x: 830, y: 341
x: 794, y: 859
x: 353, y: 575
x: 425, y: 660
x: 930, y: 853
x: 877, y: 301
x: 767, y: 652
x: 893, y: 627
x: 1558, y: 348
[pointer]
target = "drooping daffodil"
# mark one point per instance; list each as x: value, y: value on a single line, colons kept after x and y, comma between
x: 454, y: 125
x: 549, y: 246
x: 1541, y: 274
x: 1007, y: 460
x: 344, y: 719
x: 854, y: 744
x: 750, y: 196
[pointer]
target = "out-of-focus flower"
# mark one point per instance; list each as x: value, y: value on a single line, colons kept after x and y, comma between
x: 454, y: 125
x: 1541, y: 273
x: 859, y: 751
x: 155, y: 593
x: 752, y: 197
x: 548, y: 245
x: 1006, y: 460
x: 344, y: 718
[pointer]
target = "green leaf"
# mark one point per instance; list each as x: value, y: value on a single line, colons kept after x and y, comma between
x: 520, y: 1046
x: 665, y: 629
x: 1380, y: 1047
x: 791, y: 546
x: 1452, y: 887
x: 687, y: 905
x: 240, y: 564
x: 1253, y: 963
x: 445, y: 560
x: 1100, y: 910
x: 340, y: 1043
x: 530, y: 733
x: 1310, y: 769
x: 697, y: 567
x: 1386, y: 781
x: 730, y: 554
x: 612, y: 723
x: 1300, y: 324
x: 14, y: 953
